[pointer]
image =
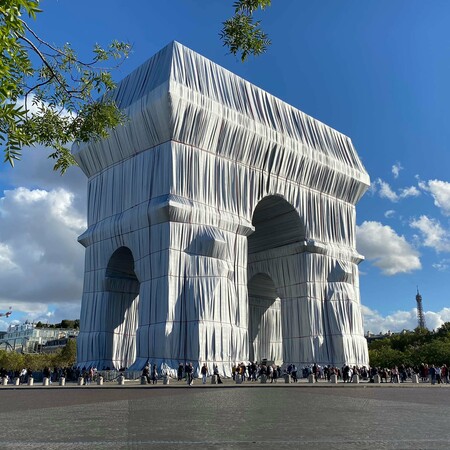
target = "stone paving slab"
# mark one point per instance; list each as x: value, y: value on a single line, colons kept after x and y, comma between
x: 227, y: 416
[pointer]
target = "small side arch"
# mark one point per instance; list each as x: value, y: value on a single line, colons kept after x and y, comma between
x: 120, y: 275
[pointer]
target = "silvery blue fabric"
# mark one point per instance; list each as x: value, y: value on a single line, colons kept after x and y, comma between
x: 221, y: 227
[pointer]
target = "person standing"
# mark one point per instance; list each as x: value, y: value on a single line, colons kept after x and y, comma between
x: 438, y: 374
x: 444, y: 374
x: 204, y: 372
x: 180, y: 372
x: 154, y: 374
x: 432, y: 374
x: 146, y: 373
x: 189, y: 374
x: 47, y: 374
x: 216, y: 373
x: 294, y: 373
x: 270, y: 372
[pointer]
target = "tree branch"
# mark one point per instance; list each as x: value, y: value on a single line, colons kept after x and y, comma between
x: 44, y: 60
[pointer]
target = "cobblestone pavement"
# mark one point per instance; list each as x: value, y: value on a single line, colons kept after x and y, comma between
x: 228, y: 416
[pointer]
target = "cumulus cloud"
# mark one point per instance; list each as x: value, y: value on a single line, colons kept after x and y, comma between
x: 41, y: 216
x: 385, y: 249
x: 44, y: 261
x: 401, y: 320
x: 433, y: 234
x: 396, y: 168
x: 389, y: 214
x: 440, y: 191
x: 385, y: 191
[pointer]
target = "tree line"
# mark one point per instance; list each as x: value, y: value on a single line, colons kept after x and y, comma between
x: 65, y: 357
x: 64, y: 324
x: 412, y: 348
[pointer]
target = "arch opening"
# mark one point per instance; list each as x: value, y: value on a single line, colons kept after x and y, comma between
x: 122, y: 286
x: 121, y: 265
x: 277, y: 225
x: 264, y: 327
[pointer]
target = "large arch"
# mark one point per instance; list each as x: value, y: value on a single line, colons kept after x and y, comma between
x: 277, y: 226
x: 211, y: 182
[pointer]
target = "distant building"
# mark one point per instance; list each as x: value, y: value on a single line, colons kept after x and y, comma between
x: 52, y: 346
x: 370, y: 337
x: 26, y: 338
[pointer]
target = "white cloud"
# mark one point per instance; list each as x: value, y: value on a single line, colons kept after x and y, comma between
x: 4, y: 324
x: 41, y: 216
x: 35, y: 170
x: 433, y: 234
x: 442, y: 266
x: 396, y: 168
x: 387, y: 250
x: 440, y: 191
x: 385, y: 191
x: 402, y: 320
x: 389, y: 214
x: 372, y: 188
x: 42, y: 261
x: 411, y: 191
x: 6, y: 262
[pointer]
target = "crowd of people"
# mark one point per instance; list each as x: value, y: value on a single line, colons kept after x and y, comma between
x: 272, y: 372
x: 426, y: 373
x: 397, y: 374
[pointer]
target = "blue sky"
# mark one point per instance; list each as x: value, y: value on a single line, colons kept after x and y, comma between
x: 376, y: 70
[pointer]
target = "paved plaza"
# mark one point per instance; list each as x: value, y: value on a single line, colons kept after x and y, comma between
x: 228, y: 416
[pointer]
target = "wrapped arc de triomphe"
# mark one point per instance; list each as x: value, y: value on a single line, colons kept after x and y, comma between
x: 221, y: 227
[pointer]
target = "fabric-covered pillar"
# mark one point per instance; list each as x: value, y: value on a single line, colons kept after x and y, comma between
x: 109, y: 317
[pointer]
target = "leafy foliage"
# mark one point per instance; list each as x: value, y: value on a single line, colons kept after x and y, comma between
x: 75, y: 324
x: 48, y: 95
x: 68, y: 355
x: 65, y: 357
x: 241, y: 33
x: 47, y: 92
x: 412, y: 348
